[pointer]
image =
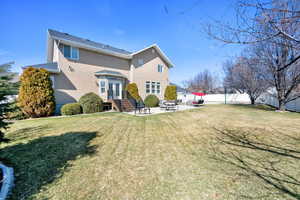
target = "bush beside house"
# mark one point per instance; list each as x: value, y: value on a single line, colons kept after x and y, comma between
x: 91, y: 103
x: 170, y: 93
x: 151, y: 101
x: 36, y: 95
x: 133, y: 91
x: 71, y: 109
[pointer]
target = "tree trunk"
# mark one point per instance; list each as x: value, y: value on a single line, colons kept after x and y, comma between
x: 281, y: 105
x: 252, y: 100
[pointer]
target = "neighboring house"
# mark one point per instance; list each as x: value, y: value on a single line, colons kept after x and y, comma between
x: 79, y: 66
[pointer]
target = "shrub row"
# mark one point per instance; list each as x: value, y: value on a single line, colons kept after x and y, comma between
x: 88, y: 103
x: 71, y: 109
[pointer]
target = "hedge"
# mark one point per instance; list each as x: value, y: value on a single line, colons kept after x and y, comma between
x: 71, y: 109
x: 170, y: 93
x: 36, y: 95
x: 151, y: 101
x: 91, y: 103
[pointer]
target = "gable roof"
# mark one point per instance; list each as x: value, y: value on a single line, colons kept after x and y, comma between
x: 51, y: 67
x: 159, y: 51
x: 95, y: 46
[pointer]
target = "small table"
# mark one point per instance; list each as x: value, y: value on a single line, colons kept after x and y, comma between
x: 170, y: 106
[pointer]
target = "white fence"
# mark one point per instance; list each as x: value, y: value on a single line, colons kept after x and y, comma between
x: 238, y: 99
x: 216, y: 98
x: 270, y: 100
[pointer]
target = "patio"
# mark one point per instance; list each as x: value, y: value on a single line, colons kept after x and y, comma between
x: 158, y: 110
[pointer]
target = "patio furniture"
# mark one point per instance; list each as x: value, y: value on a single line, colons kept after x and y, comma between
x: 140, y: 106
x: 162, y: 104
x: 171, y: 105
x: 198, y: 103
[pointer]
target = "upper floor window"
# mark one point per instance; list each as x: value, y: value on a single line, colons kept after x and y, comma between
x: 70, y: 52
x: 160, y: 68
x: 140, y: 61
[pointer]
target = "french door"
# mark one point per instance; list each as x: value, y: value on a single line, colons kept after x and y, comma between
x: 114, y: 89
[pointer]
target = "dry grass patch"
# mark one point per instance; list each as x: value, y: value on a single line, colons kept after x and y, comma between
x: 216, y: 152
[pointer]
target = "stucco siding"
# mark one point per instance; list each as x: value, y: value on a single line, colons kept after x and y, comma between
x: 149, y: 72
x: 77, y: 77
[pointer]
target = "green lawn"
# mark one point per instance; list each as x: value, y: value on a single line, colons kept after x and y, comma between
x: 214, y: 152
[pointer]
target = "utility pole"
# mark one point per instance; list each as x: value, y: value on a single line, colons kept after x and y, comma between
x: 225, y: 91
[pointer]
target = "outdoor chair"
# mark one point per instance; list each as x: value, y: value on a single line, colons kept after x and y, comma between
x: 162, y: 104
x: 140, y: 106
x: 198, y: 103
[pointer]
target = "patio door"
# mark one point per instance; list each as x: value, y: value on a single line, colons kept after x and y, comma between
x: 114, y: 89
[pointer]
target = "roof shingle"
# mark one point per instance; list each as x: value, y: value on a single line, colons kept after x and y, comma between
x: 67, y: 36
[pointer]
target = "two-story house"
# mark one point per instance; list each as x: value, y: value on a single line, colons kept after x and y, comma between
x: 79, y: 66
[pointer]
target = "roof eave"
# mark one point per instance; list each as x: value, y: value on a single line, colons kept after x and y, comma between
x: 161, y: 53
x: 77, y: 44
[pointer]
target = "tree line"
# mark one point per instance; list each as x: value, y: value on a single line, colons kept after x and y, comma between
x: 270, y: 61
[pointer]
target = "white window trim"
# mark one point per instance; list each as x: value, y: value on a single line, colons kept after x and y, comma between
x: 53, y: 81
x: 100, y: 87
x: 155, y: 87
x: 71, y: 49
x: 162, y: 68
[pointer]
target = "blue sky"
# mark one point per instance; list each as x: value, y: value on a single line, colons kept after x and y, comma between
x: 176, y: 26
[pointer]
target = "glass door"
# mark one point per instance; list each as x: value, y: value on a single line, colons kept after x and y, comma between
x: 110, y: 91
x: 115, y: 90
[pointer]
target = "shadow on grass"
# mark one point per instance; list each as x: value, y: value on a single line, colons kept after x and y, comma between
x: 40, y: 161
x: 254, y: 107
x: 28, y: 132
x: 272, y: 166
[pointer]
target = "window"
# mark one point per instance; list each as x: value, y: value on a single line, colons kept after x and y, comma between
x: 158, y: 87
x: 140, y: 61
x: 117, y: 89
x: 102, y: 86
x: 70, y: 52
x: 52, y: 80
x: 74, y: 53
x: 152, y: 87
x: 148, y: 87
x: 160, y: 68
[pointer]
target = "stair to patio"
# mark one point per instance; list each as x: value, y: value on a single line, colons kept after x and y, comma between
x: 126, y: 105
x: 121, y: 105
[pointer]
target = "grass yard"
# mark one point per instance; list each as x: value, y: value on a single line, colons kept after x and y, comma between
x: 214, y: 152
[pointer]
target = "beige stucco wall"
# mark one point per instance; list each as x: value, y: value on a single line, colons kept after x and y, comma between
x: 77, y: 76
x: 148, y: 71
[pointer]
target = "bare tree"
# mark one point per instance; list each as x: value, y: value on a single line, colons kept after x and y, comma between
x: 284, y: 82
x: 242, y: 76
x: 273, y: 28
x: 276, y: 14
x: 204, y: 81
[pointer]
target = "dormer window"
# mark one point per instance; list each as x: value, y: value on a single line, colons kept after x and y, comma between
x: 70, y: 52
